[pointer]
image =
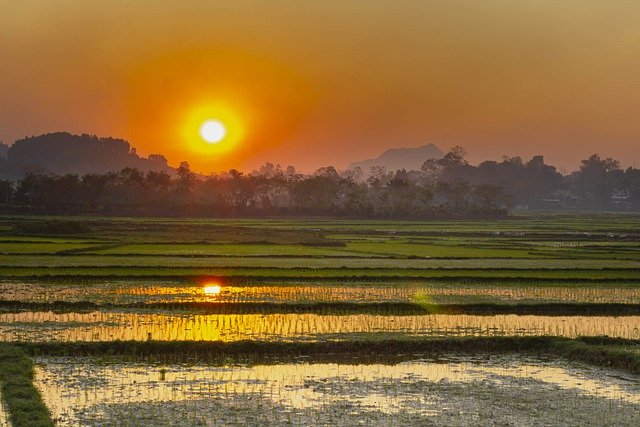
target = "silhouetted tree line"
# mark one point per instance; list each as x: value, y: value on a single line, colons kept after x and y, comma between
x: 62, y: 153
x: 446, y: 187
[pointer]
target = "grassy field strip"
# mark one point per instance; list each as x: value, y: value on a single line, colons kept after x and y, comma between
x: 284, y: 262
x: 599, y: 351
x: 7, y: 239
x: 592, y: 226
x: 225, y: 250
x: 388, y: 249
x: 562, y: 222
x: 136, y: 261
x: 38, y: 248
x: 560, y: 275
x: 437, y: 251
x: 22, y: 399
x: 331, y: 308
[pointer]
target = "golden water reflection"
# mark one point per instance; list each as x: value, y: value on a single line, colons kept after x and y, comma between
x: 420, y: 387
x: 126, y: 292
x: 108, y: 326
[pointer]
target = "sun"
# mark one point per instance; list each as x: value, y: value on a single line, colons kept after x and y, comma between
x: 210, y: 128
x: 213, y: 131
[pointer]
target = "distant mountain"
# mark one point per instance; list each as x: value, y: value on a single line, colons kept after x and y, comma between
x: 63, y: 153
x: 401, y: 158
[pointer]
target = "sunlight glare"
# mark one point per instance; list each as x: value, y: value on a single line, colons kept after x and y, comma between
x: 213, y: 131
x: 212, y: 289
x: 212, y: 128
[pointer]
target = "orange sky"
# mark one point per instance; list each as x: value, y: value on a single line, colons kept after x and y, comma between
x: 328, y: 82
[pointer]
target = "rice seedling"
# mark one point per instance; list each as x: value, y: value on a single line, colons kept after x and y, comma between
x: 113, y: 325
x: 323, y: 321
x: 416, y: 391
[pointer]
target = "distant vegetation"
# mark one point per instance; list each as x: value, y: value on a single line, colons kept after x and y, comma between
x: 445, y: 187
x: 61, y: 153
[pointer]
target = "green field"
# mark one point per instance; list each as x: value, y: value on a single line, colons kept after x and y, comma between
x: 559, y: 292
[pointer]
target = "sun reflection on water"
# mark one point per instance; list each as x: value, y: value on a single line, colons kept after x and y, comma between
x: 125, y: 326
x: 212, y: 289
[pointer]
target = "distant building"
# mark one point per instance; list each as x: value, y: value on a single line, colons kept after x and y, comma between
x: 561, y: 199
x: 621, y: 198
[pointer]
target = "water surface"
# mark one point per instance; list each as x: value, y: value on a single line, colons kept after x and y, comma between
x: 110, y: 326
x: 456, y: 390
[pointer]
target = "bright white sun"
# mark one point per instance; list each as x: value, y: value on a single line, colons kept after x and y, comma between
x: 213, y: 131
x: 212, y: 289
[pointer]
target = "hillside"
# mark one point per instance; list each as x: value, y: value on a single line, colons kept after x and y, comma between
x: 63, y: 153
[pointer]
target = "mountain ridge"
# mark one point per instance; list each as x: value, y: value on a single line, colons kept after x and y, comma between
x: 409, y: 158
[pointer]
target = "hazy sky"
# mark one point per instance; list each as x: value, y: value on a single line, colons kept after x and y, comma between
x: 328, y: 82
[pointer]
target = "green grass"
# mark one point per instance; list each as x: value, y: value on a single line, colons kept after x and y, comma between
x: 22, y: 399
x: 631, y: 274
x: 273, y: 261
x: 222, y: 250
x: 429, y: 250
x: 543, y: 248
x: 605, y: 352
x: 7, y: 237
x: 335, y: 308
x: 37, y: 247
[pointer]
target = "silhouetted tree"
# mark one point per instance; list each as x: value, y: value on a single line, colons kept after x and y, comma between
x: 447, y: 187
x: 596, y: 180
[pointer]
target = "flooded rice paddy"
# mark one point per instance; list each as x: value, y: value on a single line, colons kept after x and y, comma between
x: 146, y: 279
x: 169, y: 292
x: 4, y: 416
x: 454, y: 390
x: 111, y: 326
